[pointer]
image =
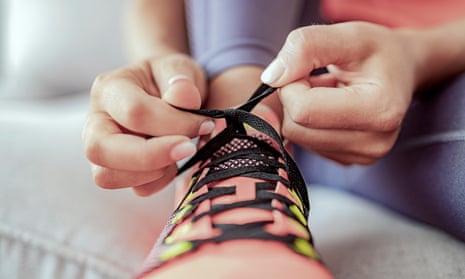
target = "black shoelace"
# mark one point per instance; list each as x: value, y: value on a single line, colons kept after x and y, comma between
x: 234, y: 153
x: 235, y: 120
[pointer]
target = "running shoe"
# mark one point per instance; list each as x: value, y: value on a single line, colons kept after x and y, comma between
x: 245, y: 208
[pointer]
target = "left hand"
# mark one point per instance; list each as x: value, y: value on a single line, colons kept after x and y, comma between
x: 133, y: 136
x: 353, y: 114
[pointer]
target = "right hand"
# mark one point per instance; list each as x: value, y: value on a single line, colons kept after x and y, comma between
x: 133, y: 135
x: 353, y: 114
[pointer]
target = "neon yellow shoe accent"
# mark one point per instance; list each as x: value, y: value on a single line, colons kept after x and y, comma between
x: 303, y: 247
x: 180, y: 215
x: 298, y: 214
x: 176, y: 250
x: 192, y: 181
x: 247, y: 126
x: 187, y: 199
x: 297, y: 199
x: 304, y: 233
x: 182, y: 230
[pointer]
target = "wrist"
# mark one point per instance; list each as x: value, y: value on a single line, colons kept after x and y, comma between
x: 413, y: 42
x: 235, y: 85
x: 160, y: 51
x: 437, y: 52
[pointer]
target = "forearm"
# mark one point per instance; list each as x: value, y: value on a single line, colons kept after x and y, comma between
x: 439, y: 53
x: 155, y: 28
x: 234, y: 40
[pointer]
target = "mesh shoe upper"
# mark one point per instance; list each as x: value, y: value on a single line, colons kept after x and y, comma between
x: 244, y: 188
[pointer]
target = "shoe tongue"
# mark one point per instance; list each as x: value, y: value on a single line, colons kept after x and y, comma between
x: 238, y: 145
x: 234, y: 145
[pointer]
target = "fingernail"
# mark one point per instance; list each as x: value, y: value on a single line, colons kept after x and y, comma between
x: 183, y: 150
x: 166, y: 94
x: 272, y: 72
x: 176, y: 78
x: 206, y: 127
x: 332, y: 68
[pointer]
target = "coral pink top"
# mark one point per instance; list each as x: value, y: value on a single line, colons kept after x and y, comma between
x: 228, y: 33
x: 395, y: 13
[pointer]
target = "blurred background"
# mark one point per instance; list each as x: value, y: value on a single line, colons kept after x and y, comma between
x: 57, y: 47
x: 54, y: 221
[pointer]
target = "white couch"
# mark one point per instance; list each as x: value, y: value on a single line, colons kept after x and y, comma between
x: 55, y: 223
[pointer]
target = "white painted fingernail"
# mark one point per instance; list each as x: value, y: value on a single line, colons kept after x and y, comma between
x: 206, y: 128
x: 183, y: 150
x: 176, y: 78
x: 272, y: 72
x: 332, y: 68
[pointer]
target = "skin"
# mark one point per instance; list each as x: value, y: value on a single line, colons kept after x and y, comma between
x: 122, y: 140
x: 353, y: 115
x: 124, y: 144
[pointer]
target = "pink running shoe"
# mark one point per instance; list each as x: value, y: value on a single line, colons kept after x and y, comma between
x: 245, y: 209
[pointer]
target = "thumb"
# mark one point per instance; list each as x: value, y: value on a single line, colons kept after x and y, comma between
x: 182, y: 92
x: 180, y: 80
x: 310, y: 48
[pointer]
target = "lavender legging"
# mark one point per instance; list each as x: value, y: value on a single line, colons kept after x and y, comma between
x: 424, y: 175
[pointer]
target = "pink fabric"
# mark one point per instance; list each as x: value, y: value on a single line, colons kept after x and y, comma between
x: 395, y: 13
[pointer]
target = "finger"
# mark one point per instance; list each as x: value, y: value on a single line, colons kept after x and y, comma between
x: 356, y: 107
x: 343, y: 76
x: 115, y: 179
x: 326, y: 80
x: 141, y: 113
x: 106, y: 146
x: 360, y: 143
x: 313, y: 47
x: 155, y: 186
x: 334, y: 77
x: 180, y: 80
x: 347, y: 159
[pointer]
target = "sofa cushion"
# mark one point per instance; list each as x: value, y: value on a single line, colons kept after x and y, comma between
x: 55, y: 223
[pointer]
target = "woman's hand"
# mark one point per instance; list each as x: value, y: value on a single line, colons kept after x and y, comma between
x: 353, y: 114
x: 133, y: 135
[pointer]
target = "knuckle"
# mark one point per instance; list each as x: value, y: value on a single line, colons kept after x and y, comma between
x: 379, y: 150
x: 301, y: 43
x: 103, y: 178
x: 389, y: 120
x: 133, y: 112
x: 93, y: 150
x: 288, y: 130
x: 297, y: 40
x: 299, y: 37
x: 300, y: 114
x: 365, y: 161
x: 99, y: 82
